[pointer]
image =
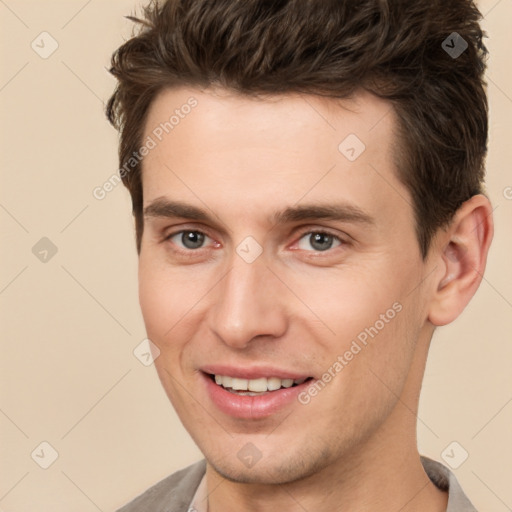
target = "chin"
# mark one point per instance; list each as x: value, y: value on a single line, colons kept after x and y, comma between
x: 276, y: 471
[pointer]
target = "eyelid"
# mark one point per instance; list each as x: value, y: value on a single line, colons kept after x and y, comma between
x: 180, y: 228
x: 166, y: 238
x: 343, y: 238
x: 309, y: 230
x: 172, y: 235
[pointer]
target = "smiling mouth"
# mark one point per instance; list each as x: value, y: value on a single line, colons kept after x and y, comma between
x: 255, y: 387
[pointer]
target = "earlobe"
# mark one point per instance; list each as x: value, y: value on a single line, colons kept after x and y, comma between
x: 462, y: 255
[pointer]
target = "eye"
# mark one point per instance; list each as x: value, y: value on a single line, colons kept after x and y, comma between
x: 189, y: 239
x: 319, y: 241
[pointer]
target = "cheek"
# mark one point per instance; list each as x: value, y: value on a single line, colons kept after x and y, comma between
x: 370, y: 376
x: 388, y: 347
x: 172, y: 302
x: 369, y: 313
x: 348, y: 301
x: 162, y: 302
x: 155, y: 301
x: 163, y: 307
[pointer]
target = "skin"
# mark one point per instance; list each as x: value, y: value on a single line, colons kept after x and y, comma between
x: 241, y: 160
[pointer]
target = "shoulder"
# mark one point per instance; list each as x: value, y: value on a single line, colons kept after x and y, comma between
x: 170, y: 494
x: 445, y: 480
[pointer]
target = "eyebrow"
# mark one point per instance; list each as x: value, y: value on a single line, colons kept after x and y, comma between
x: 162, y: 207
x: 339, y: 212
x: 165, y: 208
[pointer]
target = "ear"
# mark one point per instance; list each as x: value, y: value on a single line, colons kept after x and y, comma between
x: 461, y: 254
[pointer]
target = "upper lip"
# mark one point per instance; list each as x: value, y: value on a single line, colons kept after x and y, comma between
x: 253, y: 372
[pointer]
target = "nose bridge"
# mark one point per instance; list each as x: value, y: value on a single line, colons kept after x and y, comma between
x: 245, y: 306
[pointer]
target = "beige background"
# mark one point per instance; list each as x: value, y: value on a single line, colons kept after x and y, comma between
x: 69, y: 325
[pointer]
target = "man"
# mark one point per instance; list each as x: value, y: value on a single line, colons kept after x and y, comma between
x: 306, y: 180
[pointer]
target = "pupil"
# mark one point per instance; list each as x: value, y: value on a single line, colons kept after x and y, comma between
x: 192, y: 239
x: 321, y: 241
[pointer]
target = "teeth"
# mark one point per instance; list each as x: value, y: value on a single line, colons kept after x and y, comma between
x: 287, y: 383
x: 239, y: 384
x: 254, y: 386
x: 273, y: 383
x: 257, y: 385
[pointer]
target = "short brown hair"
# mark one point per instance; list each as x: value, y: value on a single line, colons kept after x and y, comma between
x: 398, y: 50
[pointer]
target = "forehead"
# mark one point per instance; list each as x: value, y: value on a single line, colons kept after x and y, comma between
x: 216, y: 116
x: 222, y: 148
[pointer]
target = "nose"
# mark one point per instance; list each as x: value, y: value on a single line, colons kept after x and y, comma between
x: 248, y: 303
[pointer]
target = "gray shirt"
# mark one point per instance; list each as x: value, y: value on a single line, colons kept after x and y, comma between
x: 181, y: 491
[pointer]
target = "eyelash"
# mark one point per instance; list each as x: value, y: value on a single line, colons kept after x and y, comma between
x: 187, y: 252
x: 309, y: 232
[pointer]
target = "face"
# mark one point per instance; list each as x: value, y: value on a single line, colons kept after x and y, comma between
x: 279, y: 252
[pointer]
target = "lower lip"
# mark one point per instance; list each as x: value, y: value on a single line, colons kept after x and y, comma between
x: 252, y: 407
